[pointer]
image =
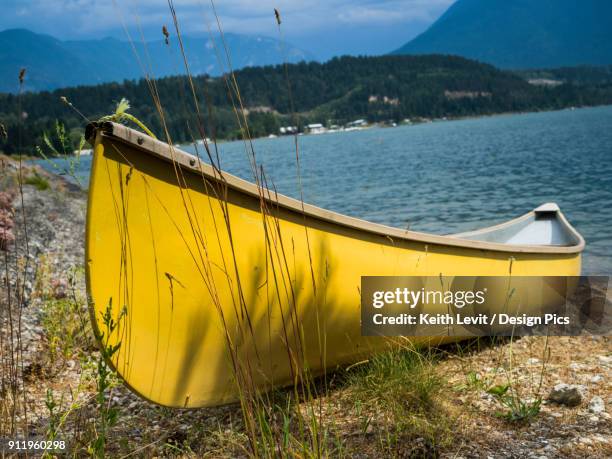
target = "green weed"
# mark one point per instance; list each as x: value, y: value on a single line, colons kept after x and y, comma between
x: 106, y: 379
x: 121, y: 115
x: 64, y: 315
x: 59, y: 145
x: 516, y: 409
x: 37, y: 181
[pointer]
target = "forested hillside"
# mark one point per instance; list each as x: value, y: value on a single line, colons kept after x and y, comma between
x: 388, y: 88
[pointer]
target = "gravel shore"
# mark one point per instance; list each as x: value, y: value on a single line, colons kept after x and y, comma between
x: 54, y: 235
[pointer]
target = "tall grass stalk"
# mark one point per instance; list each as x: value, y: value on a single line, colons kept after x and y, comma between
x: 13, y: 396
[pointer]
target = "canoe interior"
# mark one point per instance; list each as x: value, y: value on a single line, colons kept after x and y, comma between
x: 539, y: 228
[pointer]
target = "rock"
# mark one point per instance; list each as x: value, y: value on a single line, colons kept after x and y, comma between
x: 597, y: 379
x: 596, y: 405
x: 605, y: 360
x: 566, y: 394
x: 533, y: 361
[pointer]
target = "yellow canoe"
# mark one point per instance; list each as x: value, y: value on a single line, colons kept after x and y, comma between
x: 211, y: 280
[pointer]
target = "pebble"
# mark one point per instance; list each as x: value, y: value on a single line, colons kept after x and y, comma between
x: 597, y: 379
x: 566, y: 394
x: 605, y: 360
x: 596, y: 405
x: 600, y: 438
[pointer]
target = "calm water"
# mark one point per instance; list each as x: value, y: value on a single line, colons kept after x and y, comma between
x: 453, y: 176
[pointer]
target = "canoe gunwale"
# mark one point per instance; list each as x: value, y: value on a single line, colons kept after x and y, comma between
x: 189, y: 162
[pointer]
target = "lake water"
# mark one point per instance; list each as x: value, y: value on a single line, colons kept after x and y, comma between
x: 452, y: 176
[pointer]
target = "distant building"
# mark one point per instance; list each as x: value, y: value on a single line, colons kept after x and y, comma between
x: 455, y: 95
x: 316, y: 128
x: 544, y: 82
x: 357, y: 123
x: 287, y: 130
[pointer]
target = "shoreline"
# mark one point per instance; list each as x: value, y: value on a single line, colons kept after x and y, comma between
x: 375, y: 125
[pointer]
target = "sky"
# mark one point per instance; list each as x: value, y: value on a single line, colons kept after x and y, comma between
x: 323, y: 27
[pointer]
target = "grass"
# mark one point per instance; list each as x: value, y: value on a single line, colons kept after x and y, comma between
x: 404, y: 374
x: 13, y: 400
x: 64, y: 315
x: 395, y: 395
x: 37, y: 181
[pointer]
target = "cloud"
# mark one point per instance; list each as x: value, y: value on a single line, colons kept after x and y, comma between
x: 85, y: 18
x: 392, y: 11
x: 324, y: 27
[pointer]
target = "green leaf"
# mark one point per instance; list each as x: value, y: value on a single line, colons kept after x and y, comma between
x: 499, y: 390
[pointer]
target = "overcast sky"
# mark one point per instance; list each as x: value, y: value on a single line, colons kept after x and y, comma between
x: 323, y: 27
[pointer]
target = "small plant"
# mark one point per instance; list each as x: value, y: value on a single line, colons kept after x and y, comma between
x: 37, y: 180
x: 54, y: 415
x: 59, y: 416
x: 59, y: 146
x: 516, y: 409
x: 121, y: 115
x: 473, y: 381
x: 64, y: 317
x: 105, y: 380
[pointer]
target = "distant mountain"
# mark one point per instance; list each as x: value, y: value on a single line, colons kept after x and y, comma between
x: 522, y: 33
x: 52, y: 63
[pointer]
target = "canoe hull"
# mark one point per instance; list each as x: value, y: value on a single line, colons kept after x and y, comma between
x: 209, y: 283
